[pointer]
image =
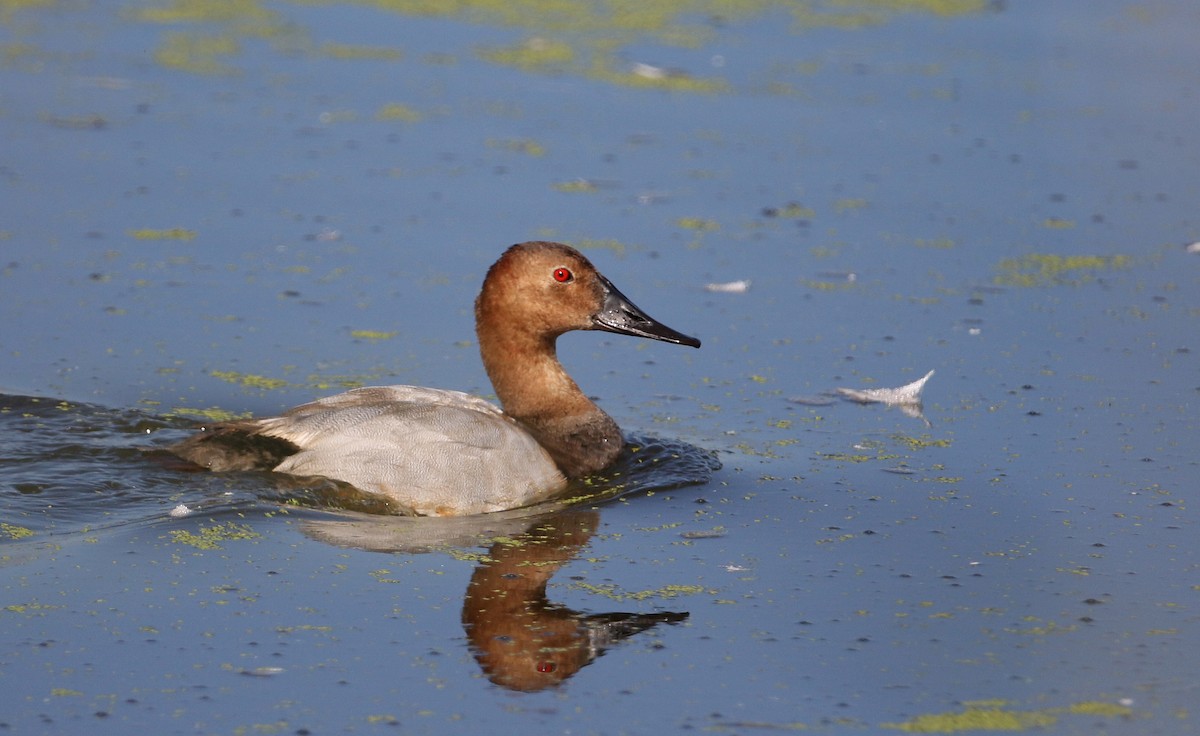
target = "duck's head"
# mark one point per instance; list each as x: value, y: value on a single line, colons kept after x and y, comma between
x: 547, y: 289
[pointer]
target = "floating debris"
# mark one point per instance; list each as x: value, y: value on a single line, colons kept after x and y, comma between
x: 729, y: 287
x: 714, y: 533
x: 649, y: 71
x: 76, y: 122
x: 909, y: 393
x: 655, y: 72
x: 652, y: 198
x: 907, y: 397
x: 818, y: 400
x: 262, y: 671
x: 179, y: 511
x: 1193, y: 248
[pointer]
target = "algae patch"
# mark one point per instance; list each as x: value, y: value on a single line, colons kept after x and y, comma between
x: 611, y: 591
x: 174, y: 233
x: 527, y: 146
x: 196, y: 54
x: 12, y: 531
x: 991, y: 716
x: 249, y: 380
x: 920, y: 443
x: 372, y: 335
x: 536, y: 54
x: 347, y: 51
x: 852, y: 14
x: 32, y: 607
x: 397, y: 111
x: 211, y: 415
x: 1043, y: 269
x: 210, y: 537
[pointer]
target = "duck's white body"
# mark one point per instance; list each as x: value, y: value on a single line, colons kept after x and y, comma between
x: 436, y: 452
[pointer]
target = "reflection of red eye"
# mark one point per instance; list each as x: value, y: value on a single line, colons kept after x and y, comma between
x: 563, y: 275
x: 549, y: 666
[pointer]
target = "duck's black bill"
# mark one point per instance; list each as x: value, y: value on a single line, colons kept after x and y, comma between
x: 622, y: 316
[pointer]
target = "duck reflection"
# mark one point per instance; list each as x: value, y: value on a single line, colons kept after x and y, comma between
x: 521, y: 639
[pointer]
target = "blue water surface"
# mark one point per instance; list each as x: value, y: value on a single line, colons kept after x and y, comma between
x: 223, y: 209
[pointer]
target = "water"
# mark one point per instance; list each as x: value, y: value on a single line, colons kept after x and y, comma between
x: 213, y: 211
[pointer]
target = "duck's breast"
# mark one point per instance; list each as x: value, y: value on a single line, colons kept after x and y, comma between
x: 438, y: 453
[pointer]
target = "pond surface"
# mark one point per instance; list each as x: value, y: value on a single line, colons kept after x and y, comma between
x: 211, y: 210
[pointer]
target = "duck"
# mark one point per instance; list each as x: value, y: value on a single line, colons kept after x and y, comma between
x: 439, y: 452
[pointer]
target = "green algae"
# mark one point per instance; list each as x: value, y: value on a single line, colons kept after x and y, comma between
x: 8, y: 7
x: 850, y: 205
x: 920, y: 443
x: 373, y: 335
x: 944, y: 8
x: 1097, y: 708
x: 204, y: 11
x: 249, y: 380
x: 346, y: 51
x: 590, y: 39
x: 1057, y: 223
x: 853, y: 14
x: 526, y: 146
x: 614, y: 246
x: 197, y: 54
x: 700, y: 224
x: 576, y: 186
x: 611, y: 591
x: 533, y: 54
x: 975, y: 719
x: 175, y: 233
x: 210, y: 537
x: 992, y: 716
x: 323, y: 383
x: 34, y: 608
x: 1041, y: 269
x: 12, y: 531
x: 227, y: 23
x: 213, y: 414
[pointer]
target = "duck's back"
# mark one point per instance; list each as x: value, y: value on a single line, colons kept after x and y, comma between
x: 435, y: 452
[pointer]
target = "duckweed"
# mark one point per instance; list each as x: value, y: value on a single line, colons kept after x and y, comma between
x: 13, y: 531
x: 210, y: 537
x: 371, y: 335
x: 175, y: 233
x: 992, y: 716
x: 1042, y: 269
x: 611, y: 591
x: 396, y: 111
x: 249, y: 380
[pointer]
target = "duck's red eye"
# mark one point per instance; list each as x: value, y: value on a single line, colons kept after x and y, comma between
x: 563, y: 275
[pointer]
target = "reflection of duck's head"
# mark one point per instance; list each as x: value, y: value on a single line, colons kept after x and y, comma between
x: 444, y: 453
x: 522, y: 640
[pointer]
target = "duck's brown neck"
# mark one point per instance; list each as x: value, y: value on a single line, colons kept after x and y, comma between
x: 534, y: 389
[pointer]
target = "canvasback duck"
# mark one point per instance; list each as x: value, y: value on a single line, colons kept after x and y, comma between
x: 434, y: 452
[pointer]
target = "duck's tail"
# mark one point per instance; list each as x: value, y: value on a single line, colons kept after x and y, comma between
x: 230, y: 446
